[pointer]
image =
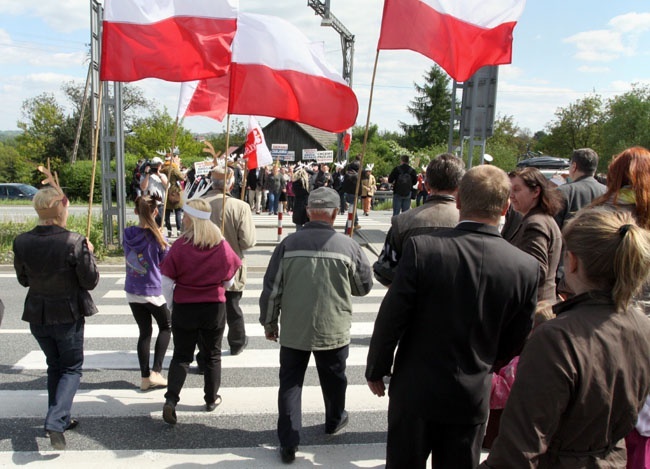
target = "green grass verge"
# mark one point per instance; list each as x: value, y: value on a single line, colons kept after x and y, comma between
x: 9, y: 231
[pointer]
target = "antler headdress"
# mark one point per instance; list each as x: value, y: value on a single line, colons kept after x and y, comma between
x: 58, y: 203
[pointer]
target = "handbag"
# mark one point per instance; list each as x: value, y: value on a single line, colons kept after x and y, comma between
x: 174, y: 197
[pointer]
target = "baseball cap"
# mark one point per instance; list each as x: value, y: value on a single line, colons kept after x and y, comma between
x: 155, y: 160
x: 323, y: 197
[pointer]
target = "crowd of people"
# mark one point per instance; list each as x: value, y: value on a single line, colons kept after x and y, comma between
x: 277, y: 188
x: 516, y: 317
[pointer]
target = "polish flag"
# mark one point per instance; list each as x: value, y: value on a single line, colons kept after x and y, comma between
x: 255, y: 150
x: 347, y: 139
x: 277, y: 72
x: 174, y: 40
x: 207, y: 98
x: 459, y: 35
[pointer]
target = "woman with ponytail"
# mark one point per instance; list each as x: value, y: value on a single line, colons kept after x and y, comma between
x: 583, y: 376
x: 144, y: 249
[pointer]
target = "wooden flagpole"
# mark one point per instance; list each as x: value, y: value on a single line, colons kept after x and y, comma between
x: 169, y: 176
x: 365, y: 141
x: 225, y: 175
x: 95, y: 148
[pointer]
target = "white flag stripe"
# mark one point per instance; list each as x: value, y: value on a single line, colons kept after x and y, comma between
x: 133, y: 402
x: 485, y: 13
x: 147, y: 12
x: 258, y: 457
x: 188, y: 88
x: 128, y: 360
x: 255, y: 45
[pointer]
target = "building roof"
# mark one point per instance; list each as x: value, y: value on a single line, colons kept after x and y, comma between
x: 325, y: 138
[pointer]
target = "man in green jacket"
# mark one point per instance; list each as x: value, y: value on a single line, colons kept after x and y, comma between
x: 308, y: 288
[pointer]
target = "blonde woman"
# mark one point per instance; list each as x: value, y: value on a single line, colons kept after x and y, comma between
x: 583, y: 376
x: 368, y: 188
x: 196, y: 272
x: 59, y: 268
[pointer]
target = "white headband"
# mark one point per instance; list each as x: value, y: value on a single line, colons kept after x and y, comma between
x: 196, y: 213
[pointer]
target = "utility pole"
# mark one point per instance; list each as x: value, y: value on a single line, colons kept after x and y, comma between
x: 322, y: 9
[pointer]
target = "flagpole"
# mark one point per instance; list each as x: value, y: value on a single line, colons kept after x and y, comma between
x: 243, y: 184
x: 225, y: 174
x: 95, y: 148
x: 169, y: 174
x: 365, y: 141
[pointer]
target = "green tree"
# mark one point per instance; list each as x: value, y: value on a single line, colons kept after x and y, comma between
x: 42, y: 118
x: 156, y: 132
x: 507, y: 143
x: 431, y: 108
x: 627, y: 123
x: 577, y: 126
x: 13, y: 166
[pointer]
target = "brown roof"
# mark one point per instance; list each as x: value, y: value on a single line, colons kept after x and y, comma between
x: 325, y: 138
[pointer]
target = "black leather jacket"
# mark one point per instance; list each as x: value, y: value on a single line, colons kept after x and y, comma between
x: 59, y: 269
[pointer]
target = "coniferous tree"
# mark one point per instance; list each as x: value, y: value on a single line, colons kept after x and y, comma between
x: 431, y: 109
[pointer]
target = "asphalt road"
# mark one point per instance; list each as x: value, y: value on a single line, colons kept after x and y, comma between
x: 122, y: 426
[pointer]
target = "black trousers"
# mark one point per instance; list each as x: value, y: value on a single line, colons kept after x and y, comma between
x: 235, y: 320
x: 411, y: 438
x: 143, y: 312
x: 330, y: 365
x: 193, y: 323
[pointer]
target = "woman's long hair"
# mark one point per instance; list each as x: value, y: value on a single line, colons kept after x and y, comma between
x: 202, y: 233
x: 613, y: 249
x: 630, y: 168
x: 145, y: 206
x: 550, y: 199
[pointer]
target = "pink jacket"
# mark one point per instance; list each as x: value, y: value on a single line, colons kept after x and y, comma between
x: 502, y: 383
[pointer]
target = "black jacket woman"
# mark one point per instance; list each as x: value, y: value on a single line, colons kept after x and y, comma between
x: 58, y: 267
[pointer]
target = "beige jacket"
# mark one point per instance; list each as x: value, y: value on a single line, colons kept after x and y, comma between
x: 239, y: 229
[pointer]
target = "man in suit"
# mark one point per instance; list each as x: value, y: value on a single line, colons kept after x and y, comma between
x: 256, y: 181
x: 462, y: 300
x: 580, y: 192
x: 584, y: 187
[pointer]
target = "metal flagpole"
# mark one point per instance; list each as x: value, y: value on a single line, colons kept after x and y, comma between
x: 95, y: 149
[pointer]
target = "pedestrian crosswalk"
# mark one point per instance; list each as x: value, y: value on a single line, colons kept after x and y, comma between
x: 122, y: 426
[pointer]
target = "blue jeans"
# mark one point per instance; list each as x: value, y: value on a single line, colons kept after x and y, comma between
x: 401, y: 203
x: 274, y: 199
x: 63, y: 345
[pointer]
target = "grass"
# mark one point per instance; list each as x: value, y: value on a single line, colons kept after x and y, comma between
x: 9, y: 231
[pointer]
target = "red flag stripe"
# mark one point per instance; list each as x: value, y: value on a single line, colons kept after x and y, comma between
x: 458, y: 46
x: 288, y: 94
x: 174, y: 49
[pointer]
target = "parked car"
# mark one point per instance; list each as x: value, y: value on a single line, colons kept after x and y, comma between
x: 16, y: 191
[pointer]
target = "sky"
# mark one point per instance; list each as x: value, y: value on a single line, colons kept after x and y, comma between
x: 563, y: 51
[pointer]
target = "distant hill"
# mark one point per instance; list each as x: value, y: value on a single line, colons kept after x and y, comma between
x: 9, y: 134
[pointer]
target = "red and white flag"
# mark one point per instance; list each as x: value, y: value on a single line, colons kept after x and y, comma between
x: 174, y: 40
x: 207, y: 98
x: 255, y: 150
x: 459, y: 35
x: 347, y: 139
x: 277, y: 72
